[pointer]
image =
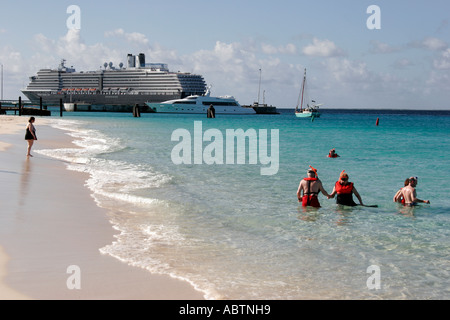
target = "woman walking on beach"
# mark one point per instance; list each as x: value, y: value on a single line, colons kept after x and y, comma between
x: 30, y: 135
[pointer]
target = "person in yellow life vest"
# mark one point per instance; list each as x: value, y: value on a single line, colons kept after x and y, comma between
x: 345, y: 190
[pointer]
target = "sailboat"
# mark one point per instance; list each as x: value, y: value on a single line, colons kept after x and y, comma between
x: 262, y: 108
x: 311, y: 110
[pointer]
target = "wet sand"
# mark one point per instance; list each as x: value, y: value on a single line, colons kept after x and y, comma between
x: 51, y: 230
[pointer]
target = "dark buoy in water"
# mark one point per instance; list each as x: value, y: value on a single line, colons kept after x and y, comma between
x: 378, y: 121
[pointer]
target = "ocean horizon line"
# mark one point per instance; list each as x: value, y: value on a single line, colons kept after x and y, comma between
x: 374, y: 110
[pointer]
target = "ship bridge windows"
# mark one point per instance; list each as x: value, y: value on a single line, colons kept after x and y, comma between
x: 220, y: 103
x: 184, y: 102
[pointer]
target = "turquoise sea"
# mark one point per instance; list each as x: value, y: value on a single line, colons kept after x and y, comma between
x: 234, y: 233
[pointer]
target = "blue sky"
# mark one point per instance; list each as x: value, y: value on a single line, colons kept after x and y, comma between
x: 405, y: 64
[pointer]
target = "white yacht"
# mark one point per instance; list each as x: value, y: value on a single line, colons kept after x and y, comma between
x: 197, y: 104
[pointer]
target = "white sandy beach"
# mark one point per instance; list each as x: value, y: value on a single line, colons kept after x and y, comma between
x: 49, y: 222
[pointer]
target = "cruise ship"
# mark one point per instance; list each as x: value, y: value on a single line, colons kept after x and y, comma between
x: 137, y: 83
x: 196, y: 104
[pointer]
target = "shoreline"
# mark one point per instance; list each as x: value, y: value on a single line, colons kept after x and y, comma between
x: 52, y: 223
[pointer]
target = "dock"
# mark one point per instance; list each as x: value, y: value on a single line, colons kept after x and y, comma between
x: 25, y: 108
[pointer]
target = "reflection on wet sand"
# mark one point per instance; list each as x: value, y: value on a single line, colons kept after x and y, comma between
x: 24, y: 181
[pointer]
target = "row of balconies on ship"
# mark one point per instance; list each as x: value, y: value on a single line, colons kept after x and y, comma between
x: 121, y: 91
x: 114, y: 86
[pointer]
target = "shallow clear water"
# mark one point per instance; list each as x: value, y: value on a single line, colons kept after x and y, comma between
x: 237, y: 234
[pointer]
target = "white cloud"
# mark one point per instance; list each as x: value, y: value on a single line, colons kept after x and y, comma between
x: 71, y: 47
x: 11, y: 59
x: 287, y: 49
x: 381, y: 47
x: 434, y: 44
x: 134, y: 37
x: 443, y: 62
x: 227, y: 61
x: 354, y: 84
x: 269, y: 49
x: 430, y: 43
x: 233, y: 68
x: 438, y: 82
x: 47, y: 53
x: 347, y: 71
x: 322, y: 48
x: 115, y: 33
x: 402, y: 63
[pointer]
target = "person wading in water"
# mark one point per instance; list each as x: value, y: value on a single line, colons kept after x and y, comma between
x: 309, y: 188
x: 345, y: 190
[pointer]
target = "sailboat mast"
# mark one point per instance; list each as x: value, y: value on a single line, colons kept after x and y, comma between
x: 303, y: 90
x: 259, y: 87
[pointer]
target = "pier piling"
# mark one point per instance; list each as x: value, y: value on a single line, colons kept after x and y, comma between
x: 211, y: 112
x: 136, y: 111
x: 20, y: 106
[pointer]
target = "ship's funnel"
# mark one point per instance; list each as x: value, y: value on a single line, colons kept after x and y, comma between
x: 142, y: 60
x: 131, y: 61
